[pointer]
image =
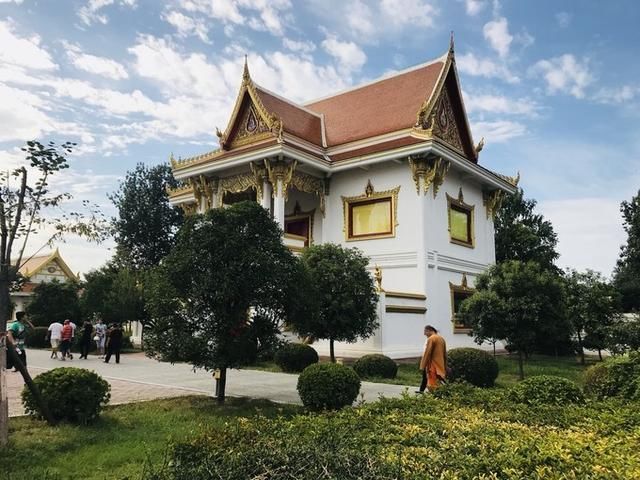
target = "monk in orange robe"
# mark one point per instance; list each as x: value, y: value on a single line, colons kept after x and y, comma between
x: 434, y: 360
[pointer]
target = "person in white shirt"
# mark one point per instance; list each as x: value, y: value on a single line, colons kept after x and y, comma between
x: 55, y: 335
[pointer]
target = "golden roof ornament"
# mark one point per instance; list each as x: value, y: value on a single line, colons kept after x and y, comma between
x: 479, y: 146
x: 246, y: 77
x: 377, y: 276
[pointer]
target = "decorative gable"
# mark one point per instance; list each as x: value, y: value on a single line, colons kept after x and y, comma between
x: 444, y: 122
x: 249, y: 125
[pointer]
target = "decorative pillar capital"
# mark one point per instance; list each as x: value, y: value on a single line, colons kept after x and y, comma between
x: 280, y: 174
x: 492, y: 202
x: 428, y: 171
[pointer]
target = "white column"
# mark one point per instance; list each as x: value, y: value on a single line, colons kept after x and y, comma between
x: 278, y: 203
x: 266, y: 195
x: 422, y: 236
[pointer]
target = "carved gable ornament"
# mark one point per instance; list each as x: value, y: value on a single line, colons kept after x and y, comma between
x: 249, y: 127
x: 445, y: 125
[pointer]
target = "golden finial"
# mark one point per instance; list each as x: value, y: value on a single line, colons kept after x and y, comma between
x: 451, y: 43
x: 368, y: 190
x: 245, y: 72
x: 479, y: 146
x: 219, y: 134
x: 377, y: 276
x: 517, y: 179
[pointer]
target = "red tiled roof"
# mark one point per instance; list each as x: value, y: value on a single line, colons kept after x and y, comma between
x: 295, y: 119
x: 384, y: 106
x: 378, y: 147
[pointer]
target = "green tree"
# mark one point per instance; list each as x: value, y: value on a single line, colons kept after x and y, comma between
x: 54, y: 302
x: 623, y: 335
x: 627, y: 271
x: 147, y: 223
x: 521, y: 234
x: 228, y: 267
x: 345, y: 292
x: 515, y: 302
x: 114, y: 294
x: 592, y: 306
x: 22, y: 203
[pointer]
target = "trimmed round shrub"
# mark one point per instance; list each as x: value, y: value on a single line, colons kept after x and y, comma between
x: 375, y: 365
x: 546, y: 390
x: 36, y: 337
x: 472, y: 365
x: 615, y: 377
x: 295, y: 357
x: 328, y: 386
x: 76, y: 395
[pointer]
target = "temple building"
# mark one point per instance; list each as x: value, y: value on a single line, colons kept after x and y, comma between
x: 389, y: 167
x: 39, y: 269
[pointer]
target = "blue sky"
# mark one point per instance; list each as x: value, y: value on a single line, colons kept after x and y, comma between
x: 551, y: 85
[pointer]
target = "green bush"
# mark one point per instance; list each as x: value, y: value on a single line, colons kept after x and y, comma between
x: 615, y: 377
x: 546, y: 390
x: 36, y: 337
x: 295, y: 357
x: 472, y: 365
x: 76, y: 395
x: 375, y: 366
x: 328, y: 386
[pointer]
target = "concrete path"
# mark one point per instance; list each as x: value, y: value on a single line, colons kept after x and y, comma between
x: 140, y: 378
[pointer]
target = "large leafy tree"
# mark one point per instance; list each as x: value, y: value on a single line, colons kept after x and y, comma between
x: 114, y: 294
x: 54, y: 302
x: 25, y: 197
x: 627, y: 271
x: 346, y: 295
x: 227, y: 275
x: 515, y: 302
x: 592, y: 306
x: 524, y: 235
x: 147, y: 223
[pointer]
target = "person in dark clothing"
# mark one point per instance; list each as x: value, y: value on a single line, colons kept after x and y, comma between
x: 85, y: 340
x: 115, y: 343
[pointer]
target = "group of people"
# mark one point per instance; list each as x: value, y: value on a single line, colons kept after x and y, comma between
x: 61, y: 336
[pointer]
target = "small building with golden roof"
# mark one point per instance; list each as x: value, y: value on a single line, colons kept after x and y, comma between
x: 39, y: 269
x: 389, y: 167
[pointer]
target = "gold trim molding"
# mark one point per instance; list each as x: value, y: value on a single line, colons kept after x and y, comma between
x: 280, y: 170
x: 236, y: 184
x: 308, y: 184
x: 405, y: 309
x: 408, y: 295
x: 462, y: 288
x: 432, y: 171
x: 370, y: 194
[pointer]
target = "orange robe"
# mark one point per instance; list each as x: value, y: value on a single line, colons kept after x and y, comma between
x: 434, y: 360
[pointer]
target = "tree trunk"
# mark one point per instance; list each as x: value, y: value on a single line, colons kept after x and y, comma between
x: 494, y: 349
x: 4, y: 316
x: 44, y: 407
x: 580, y: 349
x: 600, y: 354
x: 221, y: 384
x: 332, y: 353
x: 521, y: 364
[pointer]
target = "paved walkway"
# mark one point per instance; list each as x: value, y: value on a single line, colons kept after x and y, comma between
x: 139, y: 378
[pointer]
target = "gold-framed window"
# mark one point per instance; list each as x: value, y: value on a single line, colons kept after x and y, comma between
x: 372, y: 215
x: 461, y: 221
x: 459, y: 293
x: 300, y: 224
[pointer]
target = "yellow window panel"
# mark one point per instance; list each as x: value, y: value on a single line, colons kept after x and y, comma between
x: 459, y: 225
x: 371, y: 218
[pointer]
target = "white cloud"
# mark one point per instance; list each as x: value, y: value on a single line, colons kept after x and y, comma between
x: 496, y: 32
x: 298, y: 46
x: 589, y: 231
x: 499, y: 131
x: 94, y: 64
x: 350, y: 57
x: 21, y: 115
x: 500, y: 104
x: 188, y: 26
x: 473, y: 7
x: 360, y: 18
x: 225, y: 10
x: 401, y: 13
x: 90, y: 13
x: 482, y: 67
x: 563, y: 19
x: 17, y: 2
x: 564, y: 74
x: 22, y: 51
x: 617, y: 95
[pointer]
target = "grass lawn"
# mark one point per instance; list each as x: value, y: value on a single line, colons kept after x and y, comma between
x: 118, y: 445
x: 408, y: 373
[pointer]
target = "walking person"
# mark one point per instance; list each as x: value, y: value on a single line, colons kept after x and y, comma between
x: 54, y: 334
x: 85, y: 340
x: 115, y: 343
x: 434, y: 360
x: 100, y: 337
x: 16, y: 334
x: 66, y: 338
